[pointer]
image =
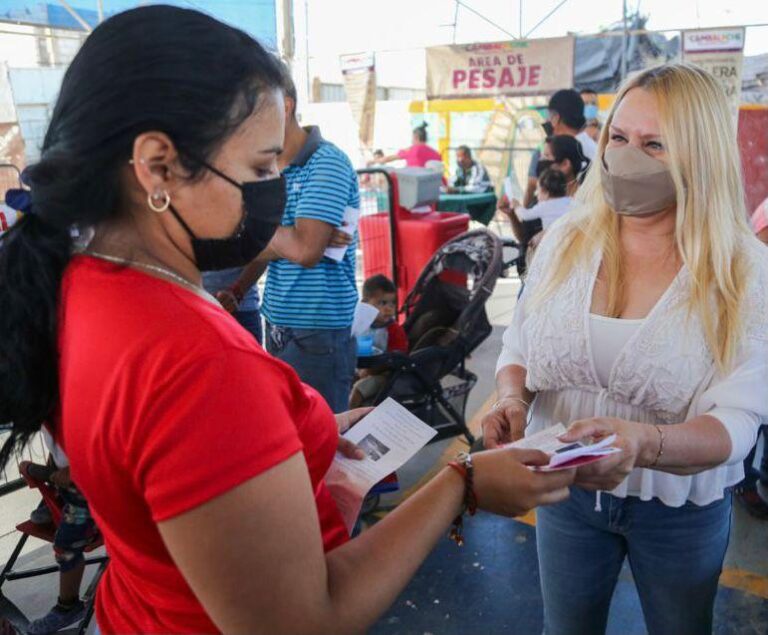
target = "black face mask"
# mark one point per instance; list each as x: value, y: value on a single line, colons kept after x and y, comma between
x: 543, y: 164
x: 549, y: 129
x: 263, y: 207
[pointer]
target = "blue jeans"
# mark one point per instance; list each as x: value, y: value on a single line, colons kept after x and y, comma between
x: 251, y: 322
x: 323, y: 358
x: 676, y: 556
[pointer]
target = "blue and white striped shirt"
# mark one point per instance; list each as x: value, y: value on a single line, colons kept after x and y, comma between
x: 321, y: 183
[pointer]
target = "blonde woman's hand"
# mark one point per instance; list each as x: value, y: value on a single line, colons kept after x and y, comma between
x: 505, y: 423
x: 639, y: 444
x: 505, y: 484
x: 344, y: 421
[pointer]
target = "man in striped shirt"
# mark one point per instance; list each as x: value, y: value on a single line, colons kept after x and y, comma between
x: 310, y: 299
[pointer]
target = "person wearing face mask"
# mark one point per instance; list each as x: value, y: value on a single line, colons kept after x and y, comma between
x: 565, y: 118
x: 564, y: 154
x: 643, y: 316
x: 202, y: 457
x: 591, y: 112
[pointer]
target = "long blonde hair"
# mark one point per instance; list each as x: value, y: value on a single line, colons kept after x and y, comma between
x: 711, y: 224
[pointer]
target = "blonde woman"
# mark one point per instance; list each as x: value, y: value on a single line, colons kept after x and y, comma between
x: 644, y: 315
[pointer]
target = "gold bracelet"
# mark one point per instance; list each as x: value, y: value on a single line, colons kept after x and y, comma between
x: 661, y: 447
x: 518, y: 399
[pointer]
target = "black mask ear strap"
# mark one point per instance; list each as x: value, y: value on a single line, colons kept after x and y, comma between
x: 217, y: 172
x: 178, y: 217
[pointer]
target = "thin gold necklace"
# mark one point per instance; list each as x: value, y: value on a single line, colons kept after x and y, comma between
x: 156, y: 269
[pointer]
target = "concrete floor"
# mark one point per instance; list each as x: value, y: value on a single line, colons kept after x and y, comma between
x: 490, y: 586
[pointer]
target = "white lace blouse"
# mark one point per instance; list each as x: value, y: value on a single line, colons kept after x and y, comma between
x: 663, y: 374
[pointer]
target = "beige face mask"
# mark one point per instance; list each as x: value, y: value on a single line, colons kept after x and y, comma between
x: 634, y: 183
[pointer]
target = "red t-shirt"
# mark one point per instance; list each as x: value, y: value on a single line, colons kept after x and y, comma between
x: 418, y: 154
x: 166, y: 403
x: 397, y: 340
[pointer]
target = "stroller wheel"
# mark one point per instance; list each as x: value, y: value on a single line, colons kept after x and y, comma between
x: 370, y: 504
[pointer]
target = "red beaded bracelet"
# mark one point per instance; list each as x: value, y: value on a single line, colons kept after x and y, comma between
x: 463, y: 465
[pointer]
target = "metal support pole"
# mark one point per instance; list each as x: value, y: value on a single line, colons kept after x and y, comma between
x: 624, y: 42
x: 455, y: 21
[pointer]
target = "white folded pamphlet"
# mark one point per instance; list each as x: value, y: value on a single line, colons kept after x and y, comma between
x: 389, y: 436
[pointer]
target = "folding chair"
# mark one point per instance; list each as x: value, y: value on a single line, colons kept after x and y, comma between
x: 11, y: 618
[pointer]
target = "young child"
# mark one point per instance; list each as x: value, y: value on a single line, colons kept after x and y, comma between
x: 74, y: 533
x: 385, y: 334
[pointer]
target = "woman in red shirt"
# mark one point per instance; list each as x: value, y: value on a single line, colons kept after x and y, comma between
x: 201, y: 456
x: 419, y: 154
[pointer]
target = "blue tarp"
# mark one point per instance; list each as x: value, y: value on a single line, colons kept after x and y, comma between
x: 256, y: 17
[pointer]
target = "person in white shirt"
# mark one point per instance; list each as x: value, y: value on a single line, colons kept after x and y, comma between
x: 553, y: 199
x: 644, y: 315
x: 554, y: 202
x: 565, y: 117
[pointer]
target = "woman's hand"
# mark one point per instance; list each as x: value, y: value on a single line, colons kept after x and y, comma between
x: 340, y: 238
x: 345, y: 420
x: 639, y: 443
x: 505, y: 423
x: 228, y: 300
x: 505, y: 485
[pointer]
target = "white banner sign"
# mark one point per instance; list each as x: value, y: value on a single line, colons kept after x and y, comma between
x: 721, y: 53
x: 517, y: 67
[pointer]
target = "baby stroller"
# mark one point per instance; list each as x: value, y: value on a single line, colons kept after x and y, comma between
x: 445, y: 321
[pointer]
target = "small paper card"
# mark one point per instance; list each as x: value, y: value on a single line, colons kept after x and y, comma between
x: 565, y: 455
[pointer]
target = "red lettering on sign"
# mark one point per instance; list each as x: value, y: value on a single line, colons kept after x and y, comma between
x: 534, y: 76
x: 506, y: 78
x: 474, y: 78
x: 489, y: 78
x: 513, y: 59
x: 523, y: 71
x: 459, y: 77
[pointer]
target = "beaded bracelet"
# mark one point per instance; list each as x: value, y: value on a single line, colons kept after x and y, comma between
x: 463, y: 465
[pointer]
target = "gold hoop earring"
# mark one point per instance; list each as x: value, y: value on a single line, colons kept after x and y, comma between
x: 151, y: 198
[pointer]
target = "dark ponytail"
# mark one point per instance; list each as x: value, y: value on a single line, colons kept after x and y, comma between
x: 421, y: 132
x: 160, y: 68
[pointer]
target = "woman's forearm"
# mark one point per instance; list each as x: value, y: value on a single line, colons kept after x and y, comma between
x: 691, y: 447
x: 510, y: 383
x: 366, y: 575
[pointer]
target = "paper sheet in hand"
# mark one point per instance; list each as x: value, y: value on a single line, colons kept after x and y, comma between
x: 565, y: 455
x: 365, y: 314
x: 512, y: 189
x: 389, y: 436
x: 351, y: 219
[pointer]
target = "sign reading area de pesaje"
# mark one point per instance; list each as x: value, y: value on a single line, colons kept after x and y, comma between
x: 517, y: 67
